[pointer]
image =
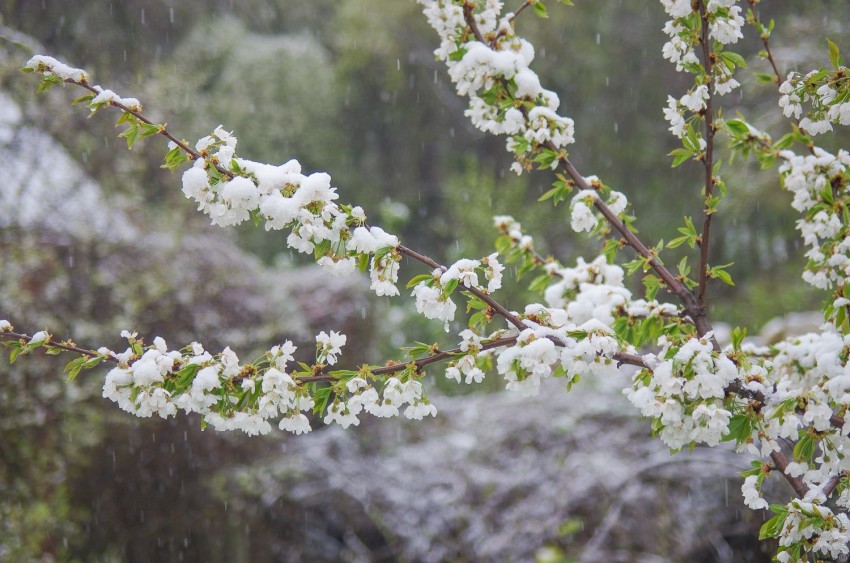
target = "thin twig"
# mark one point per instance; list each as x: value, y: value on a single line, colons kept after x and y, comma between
x: 765, y: 39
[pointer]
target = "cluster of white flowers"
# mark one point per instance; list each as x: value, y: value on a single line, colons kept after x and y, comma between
x: 467, y: 365
x: 724, y: 26
x: 497, y: 78
x: 364, y: 397
x: 582, y: 217
x: 595, y: 290
x: 161, y: 382
x: 819, y: 183
x: 286, y: 198
x: 826, y: 93
x: 328, y: 346
x: 433, y: 296
x: 232, y: 396
x: 552, y: 340
x: 806, y: 379
x: 817, y: 525
x: 684, y: 391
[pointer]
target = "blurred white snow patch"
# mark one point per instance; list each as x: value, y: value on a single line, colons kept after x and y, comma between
x: 45, y: 190
x: 10, y: 117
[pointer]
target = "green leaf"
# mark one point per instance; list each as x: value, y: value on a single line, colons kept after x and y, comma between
x: 450, y: 286
x: 804, y: 449
x: 737, y: 127
x: 676, y: 242
x: 130, y: 133
x: 733, y: 60
x: 74, y: 366
x: 48, y: 82
x: 321, y: 397
x: 773, y: 527
x: 652, y: 285
x: 740, y: 429
x: 724, y: 276
x: 680, y: 155
x: 834, y: 55
x: 764, y: 77
x: 416, y: 280
x: 540, y: 9
x: 558, y: 193
x: 83, y: 99
x: 738, y: 335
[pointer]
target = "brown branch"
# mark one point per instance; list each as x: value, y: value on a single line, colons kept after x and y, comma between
x: 690, y: 303
x: 833, y: 482
x: 525, y: 5
x: 781, y: 463
x: 708, y: 160
x: 66, y: 345
x: 469, y: 16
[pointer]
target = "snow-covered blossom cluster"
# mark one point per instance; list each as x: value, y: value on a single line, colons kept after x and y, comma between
x: 230, y: 395
x: 552, y: 342
x: 505, y: 94
x: 819, y: 182
x: 724, y: 21
x: 286, y: 198
x: 684, y: 391
x: 595, y: 290
x: 50, y: 66
x: 827, y: 93
x: 582, y: 217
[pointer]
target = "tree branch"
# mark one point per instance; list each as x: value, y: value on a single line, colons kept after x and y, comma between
x: 708, y: 160
x: 781, y: 463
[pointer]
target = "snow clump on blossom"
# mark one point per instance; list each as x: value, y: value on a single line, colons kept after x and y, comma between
x: 475, y: 66
x: 287, y: 199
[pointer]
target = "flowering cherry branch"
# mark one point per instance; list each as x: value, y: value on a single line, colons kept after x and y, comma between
x: 792, y: 395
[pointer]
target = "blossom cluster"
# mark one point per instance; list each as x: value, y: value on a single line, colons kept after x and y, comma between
x: 804, y: 381
x: 286, y: 198
x: 724, y: 21
x: 505, y: 95
x: 573, y: 334
x: 433, y: 294
x: 230, y: 395
x: 684, y: 391
x: 819, y: 182
x: 582, y: 217
x: 827, y: 93
x: 812, y: 524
